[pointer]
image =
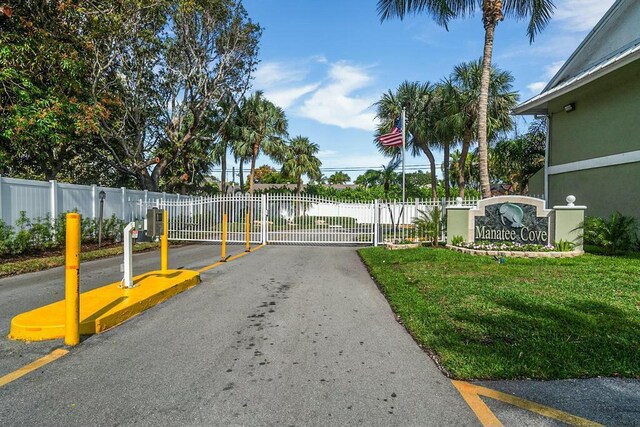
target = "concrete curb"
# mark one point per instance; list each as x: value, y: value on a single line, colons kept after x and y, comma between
x: 105, y: 307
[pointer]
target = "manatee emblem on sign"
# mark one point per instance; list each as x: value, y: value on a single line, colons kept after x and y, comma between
x: 511, y: 215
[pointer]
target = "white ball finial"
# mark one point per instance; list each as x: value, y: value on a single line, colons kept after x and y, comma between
x: 570, y: 200
x: 458, y: 201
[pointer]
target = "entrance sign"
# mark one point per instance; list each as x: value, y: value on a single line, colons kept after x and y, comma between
x: 512, y: 222
x: 517, y: 219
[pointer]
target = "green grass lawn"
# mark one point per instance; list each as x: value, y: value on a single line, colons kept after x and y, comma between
x: 542, y: 318
x: 10, y: 267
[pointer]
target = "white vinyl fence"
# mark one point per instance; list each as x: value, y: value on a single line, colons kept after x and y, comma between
x: 304, y: 219
x: 40, y: 199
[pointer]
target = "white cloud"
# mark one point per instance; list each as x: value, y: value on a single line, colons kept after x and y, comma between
x: 286, y: 97
x: 553, y: 68
x: 337, y: 102
x: 536, y: 87
x: 550, y: 71
x: 270, y: 74
x: 581, y: 15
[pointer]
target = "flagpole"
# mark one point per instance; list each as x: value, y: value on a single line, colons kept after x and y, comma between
x: 404, y: 138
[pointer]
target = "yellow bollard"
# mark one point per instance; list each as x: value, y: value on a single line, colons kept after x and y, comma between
x: 72, y: 280
x: 164, y: 242
x: 248, y: 233
x: 223, y: 258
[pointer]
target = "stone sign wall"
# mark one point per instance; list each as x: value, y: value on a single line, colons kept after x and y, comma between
x: 512, y: 222
x: 517, y: 219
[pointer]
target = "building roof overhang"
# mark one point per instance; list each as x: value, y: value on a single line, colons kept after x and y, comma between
x: 538, y: 105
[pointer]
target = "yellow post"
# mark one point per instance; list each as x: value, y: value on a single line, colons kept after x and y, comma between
x: 72, y: 280
x: 248, y: 233
x: 164, y: 242
x: 224, y: 238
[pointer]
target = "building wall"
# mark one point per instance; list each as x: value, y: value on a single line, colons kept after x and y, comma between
x: 602, y: 190
x: 606, y: 121
x: 536, y: 183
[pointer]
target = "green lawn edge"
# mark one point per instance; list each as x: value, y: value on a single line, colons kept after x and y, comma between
x: 528, y: 319
x: 12, y: 268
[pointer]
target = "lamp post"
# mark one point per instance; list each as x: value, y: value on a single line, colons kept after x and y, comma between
x: 101, y: 196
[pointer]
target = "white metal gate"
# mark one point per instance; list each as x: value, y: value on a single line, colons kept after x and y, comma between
x: 302, y: 219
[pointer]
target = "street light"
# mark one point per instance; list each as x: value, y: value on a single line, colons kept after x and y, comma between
x: 101, y: 196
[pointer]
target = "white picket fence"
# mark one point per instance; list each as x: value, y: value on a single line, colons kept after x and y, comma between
x: 299, y: 219
x: 41, y: 199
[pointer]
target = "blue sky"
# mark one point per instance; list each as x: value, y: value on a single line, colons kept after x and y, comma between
x: 326, y: 62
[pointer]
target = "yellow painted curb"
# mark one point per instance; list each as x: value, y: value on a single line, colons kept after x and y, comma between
x: 105, y: 307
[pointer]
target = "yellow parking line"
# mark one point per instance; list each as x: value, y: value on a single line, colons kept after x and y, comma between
x: 482, y: 411
x: 241, y: 254
x: 471, y: 394
x: 55, y: 354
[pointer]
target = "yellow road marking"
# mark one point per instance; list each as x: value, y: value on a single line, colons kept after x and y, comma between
x: 482, y: 411
x: 55, y: 354
x: 471, y: 394
x: 241, y: 254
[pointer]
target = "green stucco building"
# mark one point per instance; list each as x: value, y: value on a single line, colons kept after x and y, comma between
x: 593, y: 108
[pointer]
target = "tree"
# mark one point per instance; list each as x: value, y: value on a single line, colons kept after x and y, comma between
x: 338, y: 178
x: 45, y: 116
x: 461, y: 106
x: 516, y: 160
x: 493, y: 11
x: 466, y: 165
x: 300, y: 159
x: 419, y: 99
x: 159, y: 71
x: 369, y: 179
x: 389, y: 175
x: 264, y: 126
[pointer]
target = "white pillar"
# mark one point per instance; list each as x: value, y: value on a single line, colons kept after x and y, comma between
x: 376, y: 221
x: 124, y: 203
x: 263, y: 218
x: 53, y: 207
x: 94, y: 200
x: 127, y: 281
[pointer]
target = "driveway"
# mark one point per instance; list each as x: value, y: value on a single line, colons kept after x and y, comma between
x: 284, y: 336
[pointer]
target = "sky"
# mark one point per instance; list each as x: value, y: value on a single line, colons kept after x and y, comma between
x: 327, y: 62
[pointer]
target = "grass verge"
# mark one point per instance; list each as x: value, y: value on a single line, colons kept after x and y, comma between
x: 37, y: 264
x: 527, y: 318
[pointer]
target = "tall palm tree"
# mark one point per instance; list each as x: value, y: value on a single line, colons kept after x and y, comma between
x: 461, y: 106
x: 227, y: 123
x: 300, y: 159
x: 242, y: 151
x: 419, y: 99
x: 388, y: 175
x: 263, y: 127
x: 538, y: 12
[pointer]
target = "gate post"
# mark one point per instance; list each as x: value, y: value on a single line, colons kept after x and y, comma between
x: 376, y: 221
x: 263, y: 219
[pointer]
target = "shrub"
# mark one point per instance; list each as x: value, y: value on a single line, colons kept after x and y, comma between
x: 613, y: 235
x: 6, y: 238
x: 457, y: 240
x: 429, y: 225
x: 564, y: 246
x: 37, y: 235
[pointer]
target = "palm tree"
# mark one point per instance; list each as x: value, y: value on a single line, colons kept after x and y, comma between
x: 388, y: 175
x: 227, y: 123
x: 263, y: 127
x: 300, y: 159
x: 419, y: 99
x: 461, y: 106
x: 242, y: 151
x: 493, y: 11
x: 339, y: 178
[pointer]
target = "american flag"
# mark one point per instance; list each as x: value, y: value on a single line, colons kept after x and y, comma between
x: 394, y: 138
